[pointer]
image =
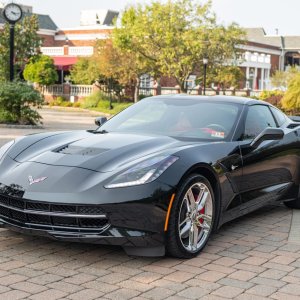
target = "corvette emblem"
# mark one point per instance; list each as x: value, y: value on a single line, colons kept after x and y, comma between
x: 33, y: 181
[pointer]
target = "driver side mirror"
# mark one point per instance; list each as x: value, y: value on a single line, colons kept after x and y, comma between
x: 268, y: 134
x: 100, y: 121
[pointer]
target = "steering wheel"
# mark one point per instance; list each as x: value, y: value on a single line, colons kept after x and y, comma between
x: 216, y: 127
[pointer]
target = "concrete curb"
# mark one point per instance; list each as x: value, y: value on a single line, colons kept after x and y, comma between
x: 16, y: 126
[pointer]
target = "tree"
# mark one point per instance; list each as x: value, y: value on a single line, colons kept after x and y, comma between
x: 41, y: 70
x: 229, y: 77
x: 27, y: 41
x: 85, y: 71
x: 291, y: 99
x: 173, y: 37
x: 120, y: 65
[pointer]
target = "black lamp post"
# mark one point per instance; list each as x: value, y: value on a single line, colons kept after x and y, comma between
x: 110, y: 93
x: 12, y: 12
x: 205, y: 62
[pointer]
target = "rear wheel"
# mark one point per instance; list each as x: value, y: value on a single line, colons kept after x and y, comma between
x: 192, y: 218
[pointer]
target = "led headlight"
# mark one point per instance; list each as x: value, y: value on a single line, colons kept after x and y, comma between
x: 4, y: 148
x: 144, y: 172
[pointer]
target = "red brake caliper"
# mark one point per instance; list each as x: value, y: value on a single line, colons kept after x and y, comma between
x: 202, y: 211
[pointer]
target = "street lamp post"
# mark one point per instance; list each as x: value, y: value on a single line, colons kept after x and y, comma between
x: 12, y: 13
x: 110, y: 93
x: 205, y: 62
x: 11, y: 51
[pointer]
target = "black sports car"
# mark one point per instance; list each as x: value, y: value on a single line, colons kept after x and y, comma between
x: 160, y: 176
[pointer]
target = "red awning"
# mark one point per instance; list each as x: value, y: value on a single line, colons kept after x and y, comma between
x: 64, y: 62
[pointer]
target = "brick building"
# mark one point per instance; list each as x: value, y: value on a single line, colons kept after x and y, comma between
x: 262, y: 54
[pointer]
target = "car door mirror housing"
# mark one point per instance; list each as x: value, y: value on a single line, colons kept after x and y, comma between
x: 100, y: 121
x: 268, y: 134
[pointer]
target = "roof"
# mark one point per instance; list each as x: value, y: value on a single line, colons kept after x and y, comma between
x: 292, y: 42
x: 228, y: 99
x: 45, y: 21
x: 258, y: 35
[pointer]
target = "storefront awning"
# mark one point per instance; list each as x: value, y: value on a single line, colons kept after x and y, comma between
x: 64, y: 62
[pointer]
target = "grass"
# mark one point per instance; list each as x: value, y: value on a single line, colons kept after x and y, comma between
x: 95, y: 102
x: 103, y: 106
x: 100, y: 102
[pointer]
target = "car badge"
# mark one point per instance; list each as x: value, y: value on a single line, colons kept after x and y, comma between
x: 33, y: 181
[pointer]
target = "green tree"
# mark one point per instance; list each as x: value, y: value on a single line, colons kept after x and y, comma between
x: 291, y: 99
x: 229, y: 77
x: 173, y: 37
x: 41, y: 70
x: 27, y: 41
x: 85, y: 71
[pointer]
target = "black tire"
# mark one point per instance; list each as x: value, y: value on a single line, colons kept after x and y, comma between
x: 295, y: 204
x: 177, y: 244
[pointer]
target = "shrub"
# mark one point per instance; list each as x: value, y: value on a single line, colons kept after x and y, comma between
x: 291, y: 99
x: 41, y: 69
x: 16, y: 102
x: 144, y: 96
x: 93, y: 100
x: 273, y: 97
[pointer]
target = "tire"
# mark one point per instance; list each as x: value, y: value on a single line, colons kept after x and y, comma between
x: 193, y: 211
x: 293, y: 204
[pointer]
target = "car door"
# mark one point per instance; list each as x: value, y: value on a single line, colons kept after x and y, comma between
x: 267, y: 169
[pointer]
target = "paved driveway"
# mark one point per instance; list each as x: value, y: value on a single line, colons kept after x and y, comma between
x: 249, y: 258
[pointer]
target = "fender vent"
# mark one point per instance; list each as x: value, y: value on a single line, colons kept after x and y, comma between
x: 293, y: 125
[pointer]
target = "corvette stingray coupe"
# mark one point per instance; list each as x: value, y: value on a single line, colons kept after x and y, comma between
x: 157, y: 178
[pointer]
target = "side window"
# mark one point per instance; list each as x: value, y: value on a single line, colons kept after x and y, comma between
x: 258, y: 118
x: 279, y: 116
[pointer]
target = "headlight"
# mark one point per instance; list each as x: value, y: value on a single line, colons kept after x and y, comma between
x: 144, y: 172
x: 4, y: 148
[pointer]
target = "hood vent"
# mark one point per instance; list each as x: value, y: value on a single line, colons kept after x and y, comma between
x: 73, y: 150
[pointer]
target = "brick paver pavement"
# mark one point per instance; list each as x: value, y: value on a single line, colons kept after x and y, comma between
x: 249, y: 258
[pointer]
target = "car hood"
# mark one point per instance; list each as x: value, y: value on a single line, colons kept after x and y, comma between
x: 99, y: 152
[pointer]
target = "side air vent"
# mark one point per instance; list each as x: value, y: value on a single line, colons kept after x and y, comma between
x: 293, y: 125
x: 74, y: 150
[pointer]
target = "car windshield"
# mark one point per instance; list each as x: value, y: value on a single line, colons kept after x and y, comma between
x: 189, y: 118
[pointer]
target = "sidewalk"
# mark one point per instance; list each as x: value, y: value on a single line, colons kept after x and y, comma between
x: 249, y: 258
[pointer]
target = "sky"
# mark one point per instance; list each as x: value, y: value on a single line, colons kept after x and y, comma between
x: 269, y: 14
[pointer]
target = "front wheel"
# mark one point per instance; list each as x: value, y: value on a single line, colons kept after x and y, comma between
x: 295, y: 204
x: 192, y: 218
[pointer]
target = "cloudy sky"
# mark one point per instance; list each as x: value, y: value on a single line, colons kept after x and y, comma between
x: 270, y: 14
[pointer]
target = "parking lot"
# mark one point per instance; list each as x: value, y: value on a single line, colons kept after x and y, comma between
x: 254, y: 257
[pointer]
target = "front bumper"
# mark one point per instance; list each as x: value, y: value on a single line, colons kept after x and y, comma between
x: 132, y: 224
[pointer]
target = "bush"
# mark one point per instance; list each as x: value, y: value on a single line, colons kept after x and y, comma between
x: 93, y: 100
x: 291, y: 99
x: 61, y: 101
x: 41, y: 69
x: 16, y: 102
x: 273, y: 97
x: 141, y: 97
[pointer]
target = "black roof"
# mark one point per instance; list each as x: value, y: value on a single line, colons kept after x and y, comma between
x: 45, y: 21
x: 228, y: 99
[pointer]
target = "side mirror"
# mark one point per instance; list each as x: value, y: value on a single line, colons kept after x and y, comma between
x: 268, y: 134
x: 100, y: 121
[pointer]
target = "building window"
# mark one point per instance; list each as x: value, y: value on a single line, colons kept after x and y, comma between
x: 146, y: 81
x: 190, y: 83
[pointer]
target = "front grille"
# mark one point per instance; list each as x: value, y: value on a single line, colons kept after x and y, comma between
x: 50, y: 216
